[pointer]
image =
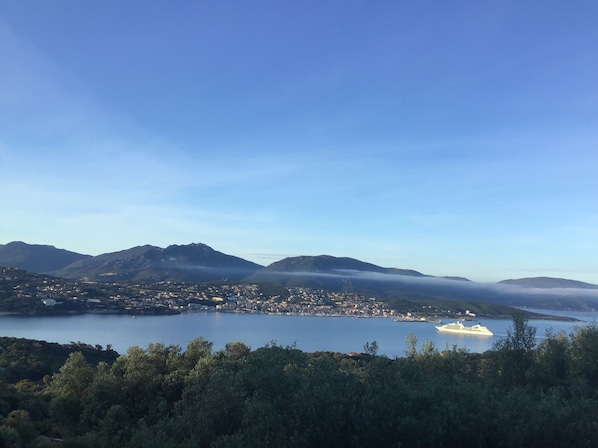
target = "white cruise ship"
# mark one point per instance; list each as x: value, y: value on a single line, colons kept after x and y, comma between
x: 459, y: 328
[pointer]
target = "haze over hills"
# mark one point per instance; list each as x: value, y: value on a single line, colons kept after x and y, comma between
x: 201, y: 263
x: 548, y: 282
x: 326, y: 263
x: 386, y: 283
x: 328, y: 272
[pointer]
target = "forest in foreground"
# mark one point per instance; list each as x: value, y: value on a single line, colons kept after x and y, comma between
x: 519, y: 394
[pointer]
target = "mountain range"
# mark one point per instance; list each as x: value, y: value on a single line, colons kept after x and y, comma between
x: 201, y: 263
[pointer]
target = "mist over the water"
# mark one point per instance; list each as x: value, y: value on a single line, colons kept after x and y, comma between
x: 500, y: 293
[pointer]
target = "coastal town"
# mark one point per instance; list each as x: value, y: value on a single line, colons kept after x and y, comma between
x: 45, y: 295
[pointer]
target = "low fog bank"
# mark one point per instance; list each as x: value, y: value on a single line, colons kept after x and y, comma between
x: 389, y: 285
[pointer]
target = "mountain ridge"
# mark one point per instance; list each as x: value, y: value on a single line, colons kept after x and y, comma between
x: 548, y: 283
x: 193, y: 262
x: 39, y: 258
x: 18, y: 254
x: 198, y: 263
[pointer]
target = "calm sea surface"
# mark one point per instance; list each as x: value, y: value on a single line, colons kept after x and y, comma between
x: 309, y: 333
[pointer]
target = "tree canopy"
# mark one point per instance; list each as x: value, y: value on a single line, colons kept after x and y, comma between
x: 518, y: 394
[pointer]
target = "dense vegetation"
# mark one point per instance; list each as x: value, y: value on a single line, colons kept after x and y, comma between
x: 33, y: 360
x: 517, y: 394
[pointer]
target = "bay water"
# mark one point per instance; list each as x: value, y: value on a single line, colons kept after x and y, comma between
x: 307, y: 333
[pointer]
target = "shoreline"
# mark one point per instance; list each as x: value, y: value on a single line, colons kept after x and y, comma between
x: 424, y: 319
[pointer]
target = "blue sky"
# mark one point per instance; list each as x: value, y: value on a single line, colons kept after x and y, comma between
x: 454, y: 138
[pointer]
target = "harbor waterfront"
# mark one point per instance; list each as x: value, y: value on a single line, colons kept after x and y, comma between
x: 307, y: 333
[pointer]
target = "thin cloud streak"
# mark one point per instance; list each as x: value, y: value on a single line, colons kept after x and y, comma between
x: 425, y: 280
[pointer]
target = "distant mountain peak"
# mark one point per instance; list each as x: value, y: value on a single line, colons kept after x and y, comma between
x: 548, y: 283
x: 322, y: 263
x: 36, y: 257
x: 195, y: 262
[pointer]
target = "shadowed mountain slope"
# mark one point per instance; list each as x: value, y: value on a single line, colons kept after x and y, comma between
x: 36, y: 257
x: 193, y: 262
x: 548, y: 283
x: 349, y: 275
x: 323, y: 272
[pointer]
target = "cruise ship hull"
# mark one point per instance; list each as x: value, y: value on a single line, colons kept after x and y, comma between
x: 459, y: 328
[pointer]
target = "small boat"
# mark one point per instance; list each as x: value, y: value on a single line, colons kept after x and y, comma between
x: 459, y: 328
